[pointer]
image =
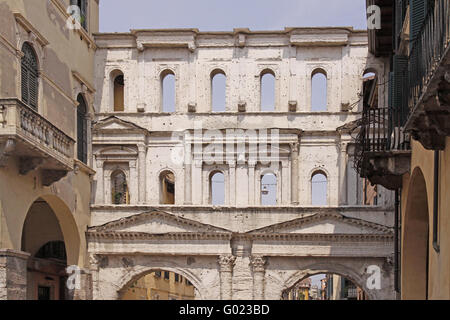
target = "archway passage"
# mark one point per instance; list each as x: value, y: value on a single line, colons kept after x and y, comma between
x: 415, y: 253
x: 328, y: 286
x: 160, y: 285
x: 43, y: 238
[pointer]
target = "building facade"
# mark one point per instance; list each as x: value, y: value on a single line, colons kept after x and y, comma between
x: 46, y: 106
x: 159, y: 158
x: 404, y: 145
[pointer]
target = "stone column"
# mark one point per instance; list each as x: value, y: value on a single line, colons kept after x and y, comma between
x: 232, y: 179
x: 187, y: 171
x: 142, y: 155
x: 13, y: 274
x: 258, y: 267
x: 141, y: 105
x: 285, y: 182
x: 294, y: 173
x: 134, y: 183
x: 226, y: 264
x: 343, y: 173
x: 107, y: 188
x: 100, y: 192
x: 251, y: 182
x: 197, y: 181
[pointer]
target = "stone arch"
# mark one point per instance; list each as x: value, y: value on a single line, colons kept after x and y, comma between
x: 313, y: 173
x: 415, y: 239
x: 72, y: 239
x: 316, y: 96
x: 217, y: 90
x: 118, y: 97
x: 328, y: 268
x: 212, y: 173
x: 167, y: 182
x: 138, y: 272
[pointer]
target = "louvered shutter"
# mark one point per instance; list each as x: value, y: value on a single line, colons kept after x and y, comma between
x: 400, y: 90
x: 30, y: 76
x: 417, y: 12
x: 81, y: 130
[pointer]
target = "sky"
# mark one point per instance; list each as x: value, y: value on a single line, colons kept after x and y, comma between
x: 224, y: 15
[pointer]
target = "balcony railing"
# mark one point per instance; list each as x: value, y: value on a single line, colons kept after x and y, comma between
x: 36, y: 137
x: 380, y: 132
x: 428, y: 49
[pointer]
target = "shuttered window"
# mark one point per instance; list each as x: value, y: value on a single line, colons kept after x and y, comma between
x: 81, y: 129
x: 29, y: 79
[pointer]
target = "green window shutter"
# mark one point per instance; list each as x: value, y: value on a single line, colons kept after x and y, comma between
x: 417, y: 12
x: 400, y: 90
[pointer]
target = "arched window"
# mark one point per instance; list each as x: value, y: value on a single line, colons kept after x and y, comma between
x: 218, y: 91
x: 319, y: 100
x: 269, y: 190
x: 29, y: 81
x: 319, y: 189
x: 267, y: 90
x: 217, y: 188
x: 167, y: 187
x: 119, y: 91
x: 119, y: 188
x: 82, y: 143
x: 168, y: 91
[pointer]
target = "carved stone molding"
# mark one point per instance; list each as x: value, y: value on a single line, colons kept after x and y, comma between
x: 258, y: 263
x: 226, y: 262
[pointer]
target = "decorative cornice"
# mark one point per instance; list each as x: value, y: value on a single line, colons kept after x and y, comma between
x: 322, y: 216
x: 30, y: 28
x: 112, y: 226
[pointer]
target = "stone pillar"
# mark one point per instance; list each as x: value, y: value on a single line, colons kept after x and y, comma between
x: 285, y: 183
x: 258, y: 267
x: 251, y: 183
x: 13, y: 274
x: 343, y: 173
x: 134, y: 183
x: 197, y: 181
x: 187, y: 170
x: 107, y: 188
x: 100, y: 192
x: 226, y: 264
x: 141, y: 105
x: 294, y: 173
x: 142, y: 155
x: 232, y: 179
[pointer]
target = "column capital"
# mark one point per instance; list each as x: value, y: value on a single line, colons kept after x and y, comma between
x: 226, y: 262
x: 294, y: 147
x: 258, y: 263
x: 252, y: 164
x: 141, y: 147
x: 232, y: 163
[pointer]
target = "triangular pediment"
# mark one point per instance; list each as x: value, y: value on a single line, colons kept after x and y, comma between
x: 324, y: 223
x: 157, y: 222
x: 113, y: 123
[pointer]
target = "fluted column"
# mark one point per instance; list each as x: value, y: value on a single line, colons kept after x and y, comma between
x: 232, y: 178
x: 294, y: 173
x: 226, y: 264
x: 187, y: 174
x: 285, y: 182
x: 258, y: 267
x: 142, y: 151
x: 343, y: 173
x: 251, y: 182
x: 100, y: 192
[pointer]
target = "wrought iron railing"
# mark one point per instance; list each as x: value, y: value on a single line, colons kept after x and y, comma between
x: 428, y: 49
x: 380, y: 130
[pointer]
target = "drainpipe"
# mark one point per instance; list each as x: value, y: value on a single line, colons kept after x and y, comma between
x: 436, y: 202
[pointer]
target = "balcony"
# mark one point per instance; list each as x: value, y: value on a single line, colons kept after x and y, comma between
x: 382, y: 149
x: 34, y: 141
x: 429, y: 79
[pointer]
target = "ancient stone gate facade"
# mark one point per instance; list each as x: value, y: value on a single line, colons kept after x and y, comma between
x: 153, y: 206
